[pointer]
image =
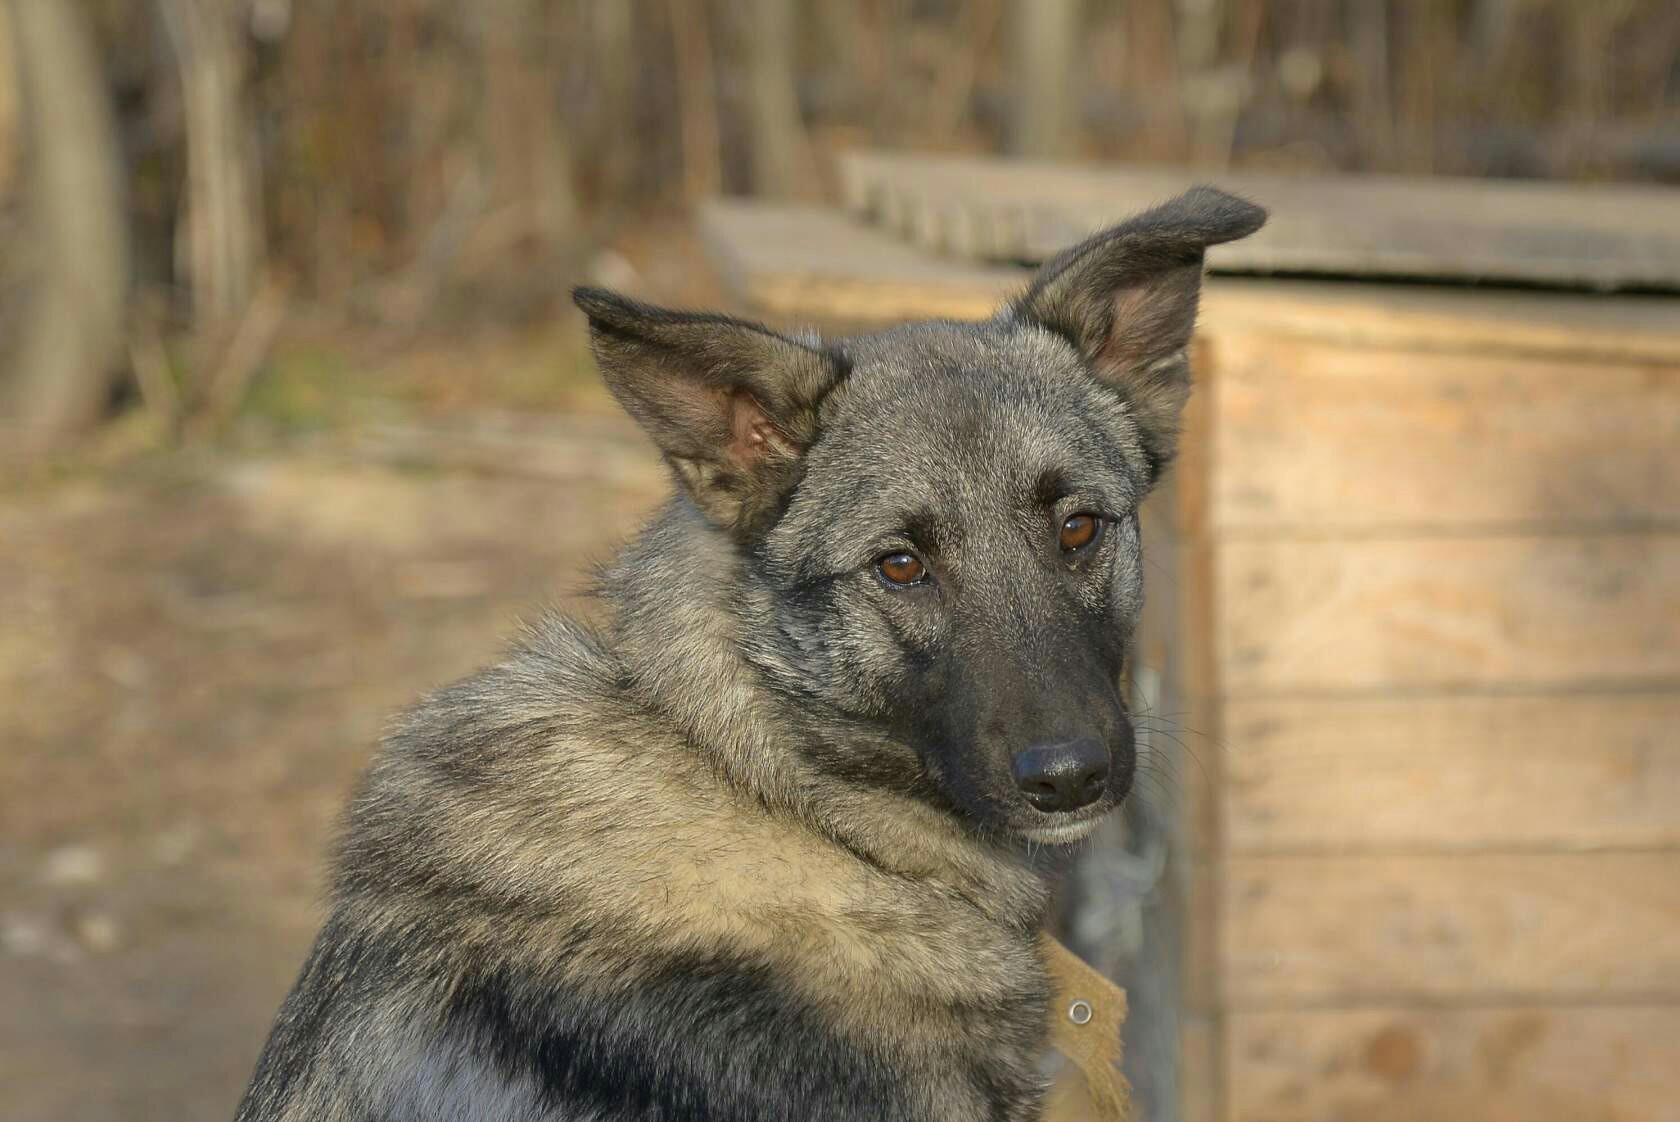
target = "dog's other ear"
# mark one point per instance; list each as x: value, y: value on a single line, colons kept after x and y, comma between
x: 1126, y: 299
x: 731, y: 404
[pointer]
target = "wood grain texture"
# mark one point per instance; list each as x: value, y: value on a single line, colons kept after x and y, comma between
x: 1323, y: 436
x: 1513, y: 1064
x: 1452, y: 773
x: 1172, y: 965
x: 1181, y: 770
x: 1528, y: 611
x: 1598, y: 237
x: 1305, y: 930
x: 1435, y: 319
x: 1201, y: 1069
x: 809, y: 264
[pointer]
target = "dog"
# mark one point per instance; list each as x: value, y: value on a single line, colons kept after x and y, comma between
x: 770, y: 843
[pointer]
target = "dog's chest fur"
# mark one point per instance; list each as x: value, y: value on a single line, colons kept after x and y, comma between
x: 575, y: 925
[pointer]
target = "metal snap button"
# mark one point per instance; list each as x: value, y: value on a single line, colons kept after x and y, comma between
x: 1080, y: 1012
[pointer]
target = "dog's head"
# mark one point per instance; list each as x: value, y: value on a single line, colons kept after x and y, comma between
x: 940, y: 520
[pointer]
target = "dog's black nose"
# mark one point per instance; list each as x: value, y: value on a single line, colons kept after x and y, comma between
x: 1062, y: 776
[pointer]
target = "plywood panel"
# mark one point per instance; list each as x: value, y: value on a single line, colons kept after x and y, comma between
x: 1179, y: 770
x: 1343, y: 225
x: 806, y: 263
x: 1315, y: 615
x: 1571, y: 772
x: 1443, y: 320
x: 1200, y: 1069
x: 1349, y: 929
x: 809, y: 263
x: 1514, y: 1064
x: 1321, y: 436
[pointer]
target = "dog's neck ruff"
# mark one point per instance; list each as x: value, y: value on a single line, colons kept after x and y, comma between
x: 688, y: 664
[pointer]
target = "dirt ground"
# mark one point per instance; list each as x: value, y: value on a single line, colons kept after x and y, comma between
x: 197, y: 650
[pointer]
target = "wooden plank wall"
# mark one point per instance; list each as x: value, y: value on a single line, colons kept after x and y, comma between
x: 1445, y: 665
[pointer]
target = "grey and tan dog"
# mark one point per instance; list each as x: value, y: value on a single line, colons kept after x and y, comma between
x: 768, y: 846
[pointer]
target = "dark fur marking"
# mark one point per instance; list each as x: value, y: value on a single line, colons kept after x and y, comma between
x: 339, y: 972
x: 704, y: 1039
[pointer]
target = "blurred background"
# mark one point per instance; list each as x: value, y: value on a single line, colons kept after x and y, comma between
x: 296, y: 422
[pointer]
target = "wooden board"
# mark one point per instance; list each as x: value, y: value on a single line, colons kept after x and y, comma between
x: 1322, y: 435
x: 1314, y: 615
x: 1180, y: 766
x: 1599, y: 237
x: 1434, y: 319
x: 1452, y: 773
x: 808, y: 263
x: 1541, y: 1063
x: 1488, y: 927
x: 1201, y: 1068
x: 812, y: 265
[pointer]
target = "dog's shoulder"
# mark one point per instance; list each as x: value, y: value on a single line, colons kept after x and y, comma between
x: 557, y: 683
x: 513, y: 782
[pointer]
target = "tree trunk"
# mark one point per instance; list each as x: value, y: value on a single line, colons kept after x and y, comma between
x: 11, y: 114
x: 220, y: 239
x: 1044, y: 35
x: 781, y: 156
x: 691, y: 43
x: 530, y: 161
x: 56, y: 372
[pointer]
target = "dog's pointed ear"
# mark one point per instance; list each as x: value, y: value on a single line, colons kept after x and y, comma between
x: 1126, y: 299
x: 731, y: 404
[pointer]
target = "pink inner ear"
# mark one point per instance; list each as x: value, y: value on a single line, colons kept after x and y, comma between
x: 1153, y: 317
x: 755, y: 438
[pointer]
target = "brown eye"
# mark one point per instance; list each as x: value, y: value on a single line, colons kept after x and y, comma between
x: 901, y: 568
x: 1079, y: 531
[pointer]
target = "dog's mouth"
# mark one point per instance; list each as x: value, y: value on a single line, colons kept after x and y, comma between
x: 1062, y: 833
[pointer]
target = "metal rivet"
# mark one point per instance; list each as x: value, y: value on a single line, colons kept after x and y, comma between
x: 1079, y: 1012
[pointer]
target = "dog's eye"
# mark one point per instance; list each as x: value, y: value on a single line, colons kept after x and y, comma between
x: 901, y: 568
x: 1080, y: 531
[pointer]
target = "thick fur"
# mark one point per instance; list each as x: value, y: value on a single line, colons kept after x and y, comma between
x: 752, y: 851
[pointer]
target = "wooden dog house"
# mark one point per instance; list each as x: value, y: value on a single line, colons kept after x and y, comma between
x: 1415, y: 605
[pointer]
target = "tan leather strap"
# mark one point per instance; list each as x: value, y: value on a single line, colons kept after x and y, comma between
x: 1085, y: 1018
